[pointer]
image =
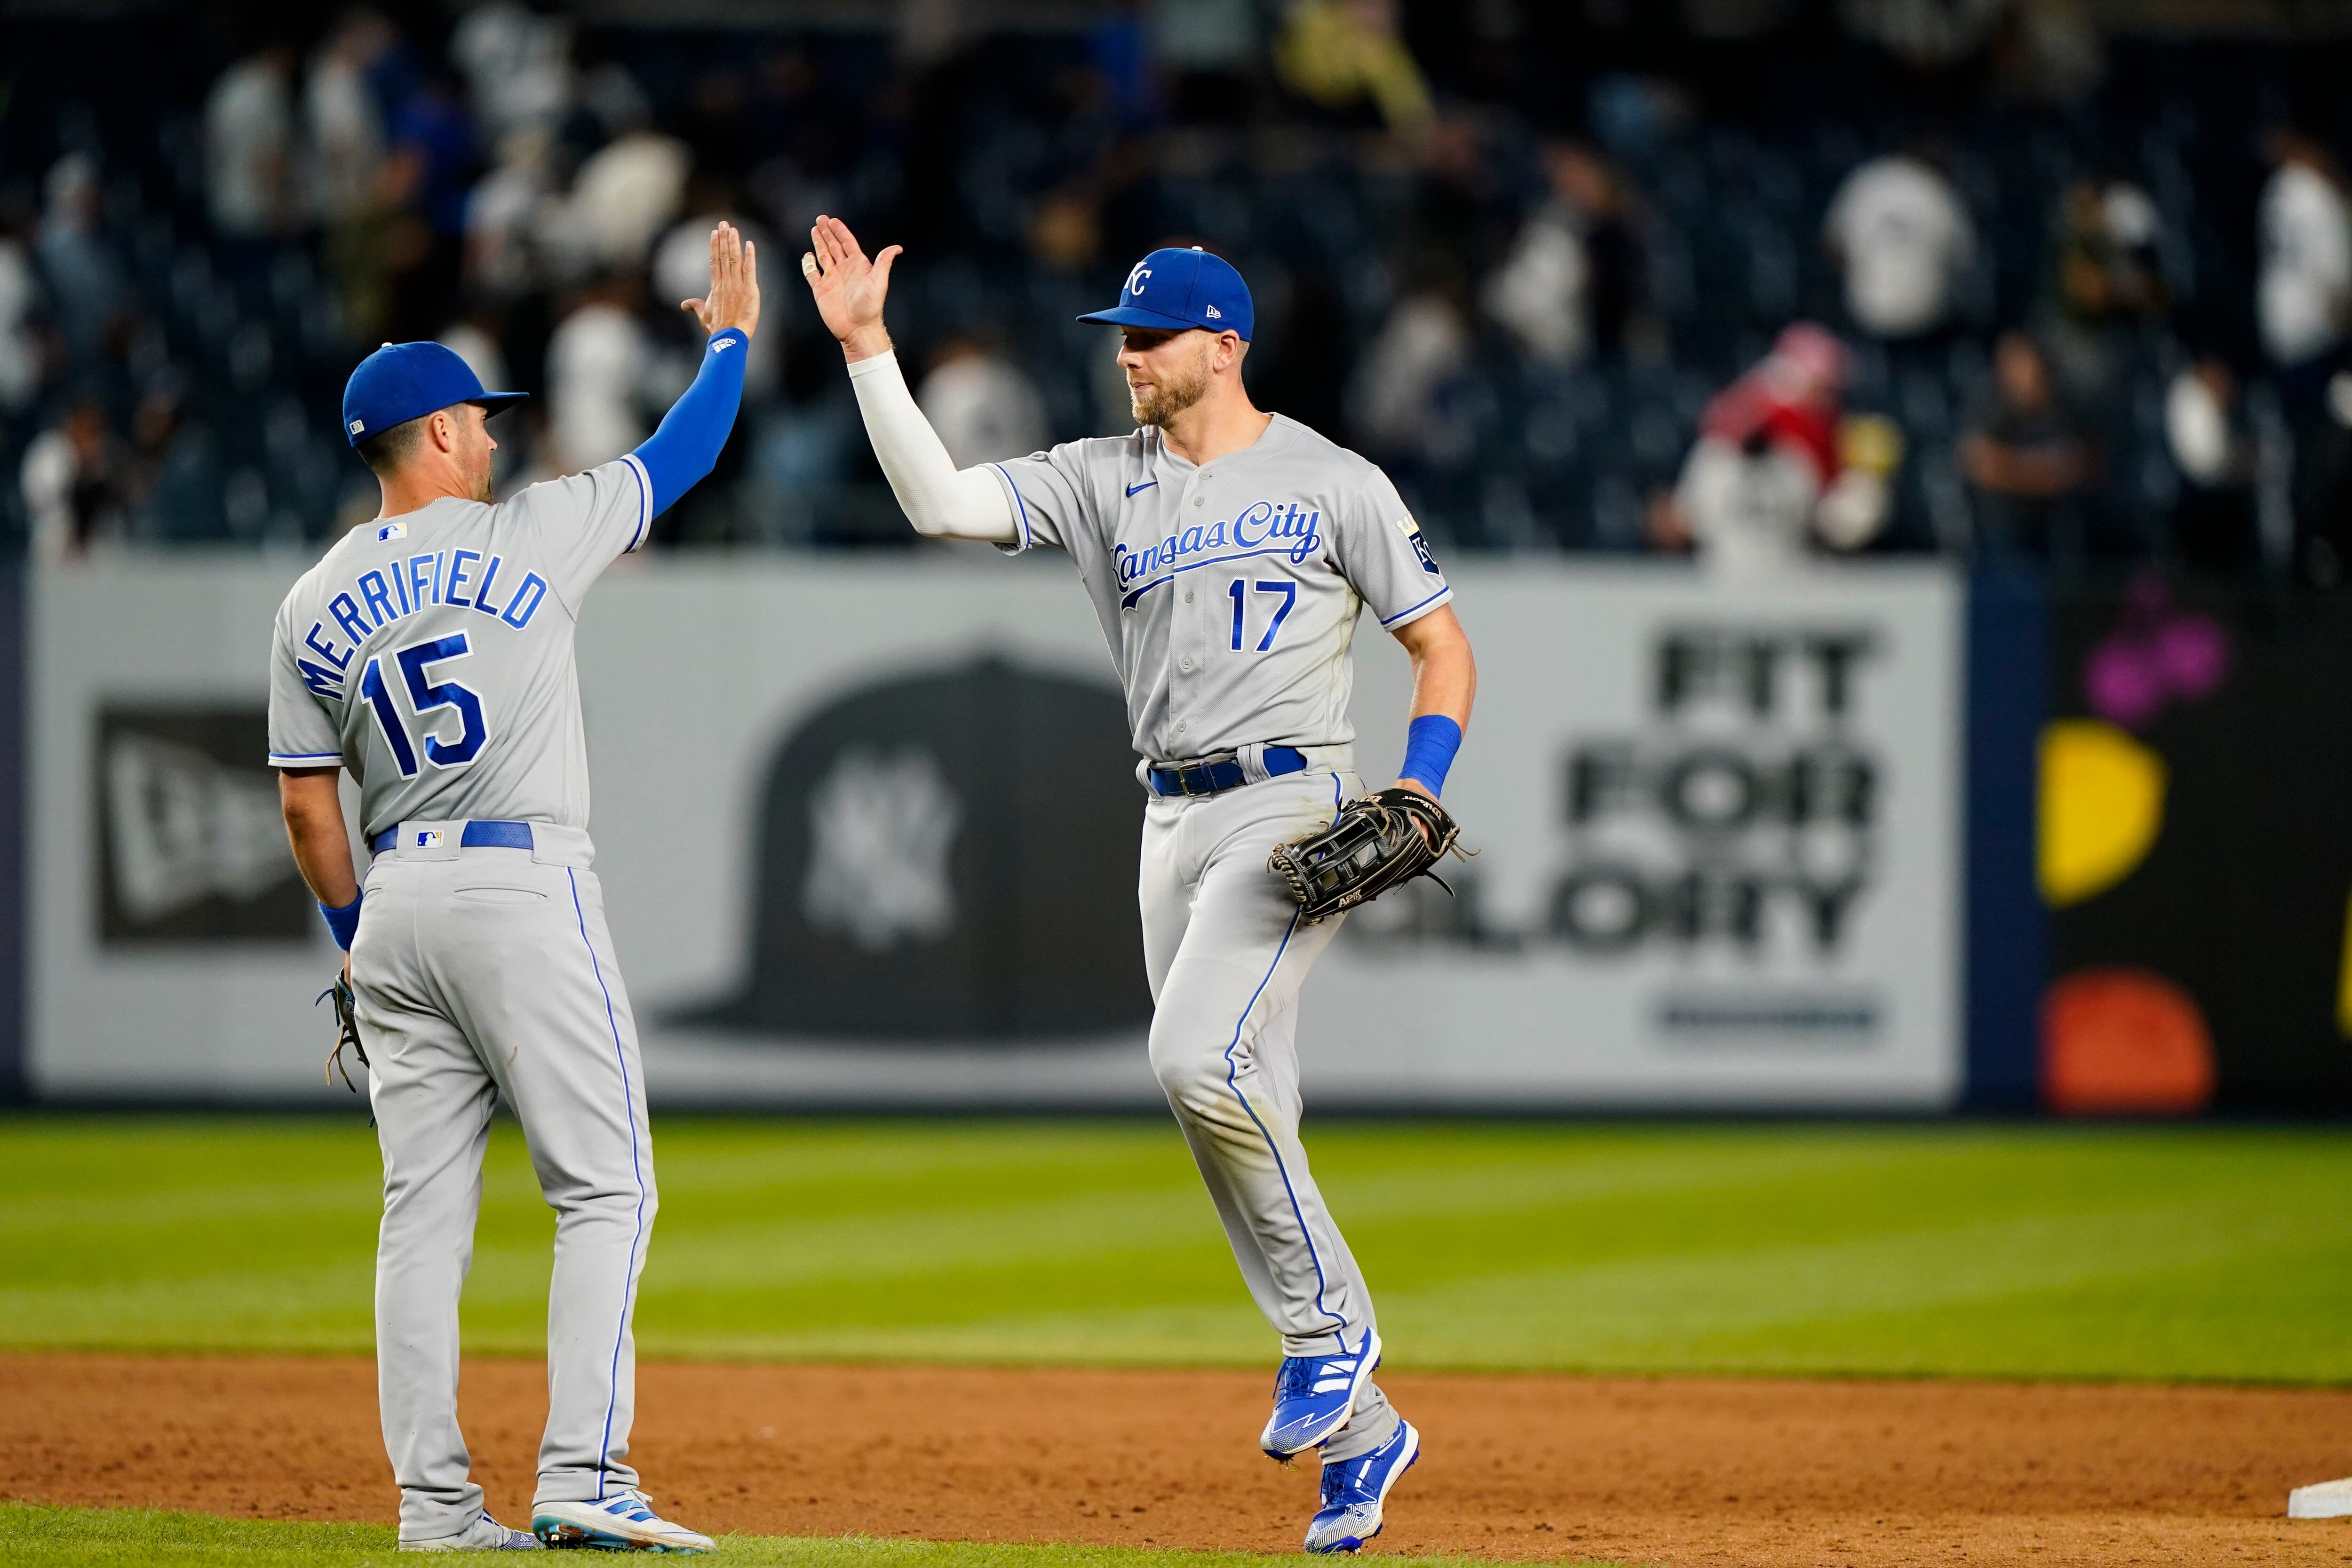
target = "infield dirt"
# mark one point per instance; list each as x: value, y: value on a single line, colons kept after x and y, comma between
x: 1746, y: 1471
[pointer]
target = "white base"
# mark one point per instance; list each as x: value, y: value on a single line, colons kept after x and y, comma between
x: 2323, y: 1500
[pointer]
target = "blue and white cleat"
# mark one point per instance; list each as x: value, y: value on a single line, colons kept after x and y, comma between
x: 1315, y: 1394
x: 1354, y: 1490
x: 485, y: 1534
x: 625, y: 1522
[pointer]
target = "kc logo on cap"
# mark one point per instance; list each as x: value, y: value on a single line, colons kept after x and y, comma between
x: 1189, y: 288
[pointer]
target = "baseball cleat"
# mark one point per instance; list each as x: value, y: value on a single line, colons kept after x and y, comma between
x: 625, y: 1522
x: 1354, y: 1490
x: 485, y: 1534
x: 1315, y: 1394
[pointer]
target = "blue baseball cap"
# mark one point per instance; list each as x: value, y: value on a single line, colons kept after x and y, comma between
x: 1172, y: 290
x: 401, y: 382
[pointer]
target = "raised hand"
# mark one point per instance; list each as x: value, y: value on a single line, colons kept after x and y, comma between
x: 734, y: 297
x: 849, y: 288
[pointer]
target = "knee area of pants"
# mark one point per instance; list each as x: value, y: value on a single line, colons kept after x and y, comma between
x: 1188, y: 1072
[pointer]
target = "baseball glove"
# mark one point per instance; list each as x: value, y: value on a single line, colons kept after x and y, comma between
x: 347, y: 1031
x: 1376, y: 842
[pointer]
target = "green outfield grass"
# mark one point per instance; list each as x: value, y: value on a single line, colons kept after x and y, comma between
x: 2032, y: 1251
x: 104, y: 1538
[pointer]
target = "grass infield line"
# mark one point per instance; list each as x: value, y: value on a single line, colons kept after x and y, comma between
x: 2155, y: 1253
x: 117, y: 1538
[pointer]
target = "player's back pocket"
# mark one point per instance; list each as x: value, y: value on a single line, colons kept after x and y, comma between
x: 499, y: 895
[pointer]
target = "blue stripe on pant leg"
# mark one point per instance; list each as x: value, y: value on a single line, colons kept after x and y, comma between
x: 1231, y: 1070
x: 629, y: 1285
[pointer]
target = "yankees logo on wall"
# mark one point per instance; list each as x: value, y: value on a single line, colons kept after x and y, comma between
x: 939, y: 857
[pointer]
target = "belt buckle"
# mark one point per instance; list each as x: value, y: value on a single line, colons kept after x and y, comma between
x: 1184, y: 781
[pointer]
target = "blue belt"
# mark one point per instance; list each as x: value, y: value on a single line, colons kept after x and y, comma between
x: 478, y: 836
x: 1216, y: 778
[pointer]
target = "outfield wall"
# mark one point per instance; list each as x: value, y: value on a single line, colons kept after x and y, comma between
x: 867, y: 834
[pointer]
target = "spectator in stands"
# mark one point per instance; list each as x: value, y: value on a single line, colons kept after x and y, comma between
x: 596, y: 364
x: 2214, y: 525
x: 983, y: 406
x: 79, y: 273
x: 1572, y: 280
x: 1422, y: 346
x: 2302, y: 302
x: 180, y: 486
x: 1767, y: 483
x: 2029, y: 463
x: 75, y: 482
x: 503, y: 213
x: 23, y: 362
x: 2302, y: 307
x: 631, y: 190
x: 2105, y: 283
x: 429, y: 172
x: 518, y: 68
x: 250, y: 190
x: 1902, y: 237
x: 1342, y: 54
x: 342, y: 123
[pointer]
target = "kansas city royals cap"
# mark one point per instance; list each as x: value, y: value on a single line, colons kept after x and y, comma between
x: 401, y: 382
x: 1172, y: 289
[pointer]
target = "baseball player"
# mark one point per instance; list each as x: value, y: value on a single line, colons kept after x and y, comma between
x: 1228, y: 553
x: 430, y: 652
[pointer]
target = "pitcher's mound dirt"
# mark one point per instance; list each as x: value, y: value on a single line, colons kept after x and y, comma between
x: 1678, y: 1471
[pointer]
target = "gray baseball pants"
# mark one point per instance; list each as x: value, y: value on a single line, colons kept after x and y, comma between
x: 480, y: 971
x: 1226, y: 955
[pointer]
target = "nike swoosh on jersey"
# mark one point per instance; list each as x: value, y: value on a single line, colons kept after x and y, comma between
x: 1144, y: 486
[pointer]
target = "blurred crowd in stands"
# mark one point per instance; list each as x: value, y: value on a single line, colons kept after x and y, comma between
x: 1763, y: 280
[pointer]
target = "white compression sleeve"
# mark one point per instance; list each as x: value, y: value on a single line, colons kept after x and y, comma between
x: 941, y: 500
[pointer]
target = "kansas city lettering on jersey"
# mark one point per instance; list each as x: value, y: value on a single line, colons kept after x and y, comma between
x: 461, y: 579
x: 1264, y: 528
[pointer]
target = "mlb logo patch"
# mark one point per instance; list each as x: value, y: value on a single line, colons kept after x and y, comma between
x: 391, y: 530
x: 359, y: 426
x: 427, y: 838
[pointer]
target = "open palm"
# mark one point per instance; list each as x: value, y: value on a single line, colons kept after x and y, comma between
x: 849, y: 288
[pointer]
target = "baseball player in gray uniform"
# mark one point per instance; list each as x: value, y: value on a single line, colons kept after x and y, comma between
x: 1229, y: 553
x: 430, y: 652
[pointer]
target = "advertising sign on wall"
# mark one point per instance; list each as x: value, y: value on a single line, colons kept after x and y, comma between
x: 867, y: 833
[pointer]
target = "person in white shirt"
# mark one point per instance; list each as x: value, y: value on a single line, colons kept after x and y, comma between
x: 597, y: 360
x: 248, y: 147
x: 1767, y: 485
x: 2303, y: 298
x: 1900, y: 233
x: 984, y: 409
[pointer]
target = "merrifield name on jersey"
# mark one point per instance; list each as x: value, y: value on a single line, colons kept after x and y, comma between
x: 380, y: 597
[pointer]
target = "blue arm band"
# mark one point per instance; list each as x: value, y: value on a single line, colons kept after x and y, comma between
x: 1430, y: 742
x: 677, y: 455
x: 344, y: 922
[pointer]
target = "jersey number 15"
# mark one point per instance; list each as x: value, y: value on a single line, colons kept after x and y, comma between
x: 425, y: 698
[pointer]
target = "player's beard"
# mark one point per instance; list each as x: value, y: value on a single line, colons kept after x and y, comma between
x: 1171, y: 394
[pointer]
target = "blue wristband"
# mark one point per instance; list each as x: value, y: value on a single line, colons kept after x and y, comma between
x: 1430, y: 742
x: 344, y: 922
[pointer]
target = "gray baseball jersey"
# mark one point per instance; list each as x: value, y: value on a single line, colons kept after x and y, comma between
x: 1229, y: 593
x: 431, y: 653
